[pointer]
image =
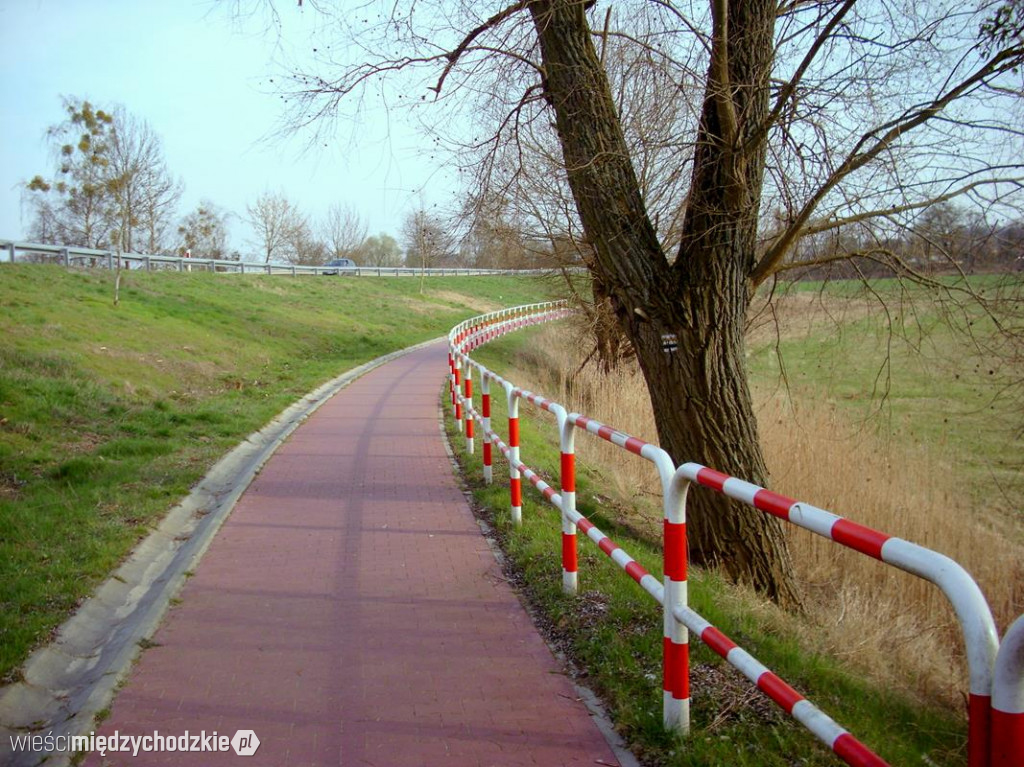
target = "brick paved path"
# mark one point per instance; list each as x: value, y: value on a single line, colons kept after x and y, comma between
x: 350, y: 613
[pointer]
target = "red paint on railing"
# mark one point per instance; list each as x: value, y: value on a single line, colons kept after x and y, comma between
x: 674, y: 678
x: 636, y: 571
x: 675, y: 550
x: 773, y: 503
x: 772, y: 686
x: 569, y: 472
x: 717, y: 641
x: 570, y: 560
x: 711, y: 478
x: 860, y: 538
x: 855, y: 753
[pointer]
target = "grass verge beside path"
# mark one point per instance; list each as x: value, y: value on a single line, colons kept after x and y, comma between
x: 108, y: 415
x: 611, y: 630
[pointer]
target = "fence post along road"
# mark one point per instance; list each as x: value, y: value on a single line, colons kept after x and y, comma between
x: 12, y: 252
x: 996, y: 673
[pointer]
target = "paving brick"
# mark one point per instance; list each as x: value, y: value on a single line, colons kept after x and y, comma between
x: 350, y: 613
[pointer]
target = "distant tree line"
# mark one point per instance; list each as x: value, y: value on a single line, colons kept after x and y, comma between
x: 111, y: 188
x: 945, y: 239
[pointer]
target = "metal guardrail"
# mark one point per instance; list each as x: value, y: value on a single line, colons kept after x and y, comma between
x: 110, y: 259
x: 996, y: 703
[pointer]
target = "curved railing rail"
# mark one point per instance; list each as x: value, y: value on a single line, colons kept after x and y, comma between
x: 110, y: 259
x: 996, y: 708
x: 1008, y: 698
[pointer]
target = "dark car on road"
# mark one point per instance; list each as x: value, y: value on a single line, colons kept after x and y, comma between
x: 339, y: 266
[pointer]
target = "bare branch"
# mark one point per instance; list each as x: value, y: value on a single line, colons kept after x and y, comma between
x: 787, y: 91
x: 871, y: 145
x: 454, y: 56
x: 720, y: 85
x: 831, y: 224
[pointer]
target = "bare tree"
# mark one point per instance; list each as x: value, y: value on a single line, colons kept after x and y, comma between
x: 806, y: 118
x: 344, y: 231
x: 304, y: 247
x: 111, y: 183
x: 428, y: 243
x: 204, y: 232
x: 145, y: 195
x: 275, y: 221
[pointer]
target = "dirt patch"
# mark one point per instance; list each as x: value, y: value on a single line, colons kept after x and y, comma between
x: 729, y: 696
x: 10, y: 487
x: 476, y: 304
x: 86, y: 443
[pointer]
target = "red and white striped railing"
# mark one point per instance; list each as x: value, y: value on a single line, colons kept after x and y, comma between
x: 996, y: 708
x: 1008, y: 699
x: 972, y: 611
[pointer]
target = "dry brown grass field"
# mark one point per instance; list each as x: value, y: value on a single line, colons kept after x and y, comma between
x: 891, y: 626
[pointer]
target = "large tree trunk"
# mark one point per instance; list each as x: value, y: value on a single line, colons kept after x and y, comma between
x: 700, y: 396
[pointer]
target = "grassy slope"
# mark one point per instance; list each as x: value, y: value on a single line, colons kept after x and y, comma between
x: 937, y: 390
x: 613, y: 630
x: 112, y: 473
x: 108, y: 415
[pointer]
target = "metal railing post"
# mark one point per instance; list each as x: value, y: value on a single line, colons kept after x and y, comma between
x: 485, y: 407
x: 515, y: 482
x: 11, y: 248
x: 451, y: 374
x: 675, y: 636
x: 467, y: 388
x: 570, y: 550
x: 458, y: 392
x: 1008, y: 698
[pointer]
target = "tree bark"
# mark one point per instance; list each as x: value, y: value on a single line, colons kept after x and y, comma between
x: 699, y: 394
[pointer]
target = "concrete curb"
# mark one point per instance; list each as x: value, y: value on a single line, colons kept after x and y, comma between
x: 70, y: 681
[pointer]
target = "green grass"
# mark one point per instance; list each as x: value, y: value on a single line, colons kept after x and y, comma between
x: 923, y: 373
x: 612, y: 631
x: 108, y: 415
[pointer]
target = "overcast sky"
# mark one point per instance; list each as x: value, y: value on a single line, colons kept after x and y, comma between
x: 202, y: 81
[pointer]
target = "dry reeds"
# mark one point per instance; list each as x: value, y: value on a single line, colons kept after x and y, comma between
x: 890, y: 625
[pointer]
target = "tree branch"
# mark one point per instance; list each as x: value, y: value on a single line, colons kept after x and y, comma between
x: 790, y: 87
x: 461, y: 48
x: 827, y: 225
x: 870, y: 146
x: 720, y: 81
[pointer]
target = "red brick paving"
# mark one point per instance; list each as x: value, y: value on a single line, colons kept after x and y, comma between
x: 350, y: 613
